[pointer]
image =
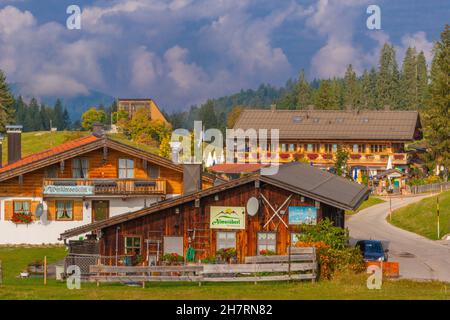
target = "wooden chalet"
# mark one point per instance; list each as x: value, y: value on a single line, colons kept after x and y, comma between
x: 374, y: 139
x: 79, y: 182
x: 132, y: 105
x: 251, y: 214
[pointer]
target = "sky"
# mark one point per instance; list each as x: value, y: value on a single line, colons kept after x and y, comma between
x: 182, y: 52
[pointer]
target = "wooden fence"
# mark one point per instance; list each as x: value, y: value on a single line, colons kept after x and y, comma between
x: 300, y: 264
x: 434, y: 187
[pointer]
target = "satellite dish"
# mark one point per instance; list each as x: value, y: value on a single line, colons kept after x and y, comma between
x: 39, y: 210
x: 252, y: 206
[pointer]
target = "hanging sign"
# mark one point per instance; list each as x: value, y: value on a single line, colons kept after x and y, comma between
x: 303, y: 215
x: 69, y: 190
x: 227, y: 217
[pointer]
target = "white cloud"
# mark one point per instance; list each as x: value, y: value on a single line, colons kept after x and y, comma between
x: 420, y: 42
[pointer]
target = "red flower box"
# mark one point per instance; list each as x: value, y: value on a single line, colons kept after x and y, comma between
x: 312, y: 156
x: 327, y: 156
x: 284, y: 155
x: 399, y: 156
x: 22, y: 218
x: 355, y: 156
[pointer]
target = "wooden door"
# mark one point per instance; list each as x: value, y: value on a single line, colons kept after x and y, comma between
x: 100, y: 210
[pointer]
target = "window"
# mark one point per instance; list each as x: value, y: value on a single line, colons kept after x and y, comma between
x: 64, y: 210
x: 132, y: 245
x: 80, y: 168
x: 126, y: 168
x: 226, y: 240
x: 153, y: 172
x: 312, y: 147
x: 51, y: 172
x: 22, y: 207
x: 267, y: 241
x: 283, y: 147
x: 330, y: 148
x: 359, y: 148
x: 292, y: 147
x: 377, y: 148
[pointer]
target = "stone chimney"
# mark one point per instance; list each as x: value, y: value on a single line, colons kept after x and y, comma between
x: 192, y: 177
x: 98, y: 130
x: 14, y: 143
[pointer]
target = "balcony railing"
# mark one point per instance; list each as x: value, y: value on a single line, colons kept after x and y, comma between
x: 324, y: 157
x: 61, y: 186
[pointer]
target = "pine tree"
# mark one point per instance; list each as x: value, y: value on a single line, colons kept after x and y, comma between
x: 437, y: 118
x: 303, y: 92
x: 6, y: 103
x: 408, y: 82
x: 337, y: 94
x: 66, y: 120
x: 58, y: 118
x: 388, y: 90
x: 324, y: 95
x: 351, y: 89
x: 422, y: 81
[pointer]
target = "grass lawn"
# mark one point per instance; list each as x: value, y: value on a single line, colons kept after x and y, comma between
x: 368, y: 203
x: 36, y: 141
x: 421, y: 218
x: 342, y: 287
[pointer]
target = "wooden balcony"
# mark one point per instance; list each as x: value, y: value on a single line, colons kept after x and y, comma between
x: 328, y: 158
x: 87, y: 187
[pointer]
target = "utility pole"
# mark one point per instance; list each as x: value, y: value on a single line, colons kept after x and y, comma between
x: 390, y: 208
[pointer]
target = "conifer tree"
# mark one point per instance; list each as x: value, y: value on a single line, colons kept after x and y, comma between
x: 408, y: 83
x: 437, y: 117
x: 303, y: 92
x: 6, y: 103
x: 422, y: 81
x: 351, y: 89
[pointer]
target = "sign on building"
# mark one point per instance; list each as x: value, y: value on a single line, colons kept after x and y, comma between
x: 69, y: 190
x: 227, y: 218
x: 303, y: 215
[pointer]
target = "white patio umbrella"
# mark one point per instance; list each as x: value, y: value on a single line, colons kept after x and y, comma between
x: 389, y: 164
x: 209, y: 160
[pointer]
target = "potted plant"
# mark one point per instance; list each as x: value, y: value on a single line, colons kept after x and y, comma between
x: 266, y: 252
x: 355, y: 156
x: 227, y: 254
x: 172, y: 259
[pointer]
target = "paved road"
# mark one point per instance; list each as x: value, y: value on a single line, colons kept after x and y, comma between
x: 419, y: 258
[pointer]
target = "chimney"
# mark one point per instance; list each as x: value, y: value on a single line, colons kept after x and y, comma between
x: 14, y: 143
x: 273, y: 107
x: 98, y: 130
x: 192, y: 177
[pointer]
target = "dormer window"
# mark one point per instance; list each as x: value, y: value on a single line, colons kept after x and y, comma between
x: 126, y: 169
x: 80, y: 168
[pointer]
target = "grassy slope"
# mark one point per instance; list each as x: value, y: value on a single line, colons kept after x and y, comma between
x: 344, y: 287
x: 33, y: 142
x: 421, y: 217
x: 368, y: 203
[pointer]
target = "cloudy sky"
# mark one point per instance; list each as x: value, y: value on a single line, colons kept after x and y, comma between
x: 181, y: 52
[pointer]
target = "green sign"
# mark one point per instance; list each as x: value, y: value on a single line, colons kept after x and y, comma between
x: 69, y: 190
x: 227, y: 218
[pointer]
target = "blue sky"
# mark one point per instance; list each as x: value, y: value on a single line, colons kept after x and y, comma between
x: 181, y: 52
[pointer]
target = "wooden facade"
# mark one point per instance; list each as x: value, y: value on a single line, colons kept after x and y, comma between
x: 194, y: 217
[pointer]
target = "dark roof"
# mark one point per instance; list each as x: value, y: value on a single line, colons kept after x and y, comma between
x: 333, y: 124
x: 296, y: 177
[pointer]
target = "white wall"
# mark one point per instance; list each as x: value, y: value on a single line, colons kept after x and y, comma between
x: 44, y: 231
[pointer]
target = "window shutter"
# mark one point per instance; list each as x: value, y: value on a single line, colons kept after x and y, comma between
x: 8, y: 210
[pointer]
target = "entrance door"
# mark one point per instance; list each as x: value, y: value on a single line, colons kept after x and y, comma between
x: 100, y: 210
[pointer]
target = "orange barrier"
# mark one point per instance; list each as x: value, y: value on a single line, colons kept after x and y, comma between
x: 390, y: 269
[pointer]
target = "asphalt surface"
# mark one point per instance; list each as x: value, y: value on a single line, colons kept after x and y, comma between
x: 419, y: 257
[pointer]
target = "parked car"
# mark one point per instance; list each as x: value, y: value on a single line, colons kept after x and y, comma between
x: 373, y: 250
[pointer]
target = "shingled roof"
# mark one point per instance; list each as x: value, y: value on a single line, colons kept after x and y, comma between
x: 295, y: 177
x: 333, y: 124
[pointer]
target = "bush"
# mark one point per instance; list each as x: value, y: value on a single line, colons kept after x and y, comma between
x: 324, y: 231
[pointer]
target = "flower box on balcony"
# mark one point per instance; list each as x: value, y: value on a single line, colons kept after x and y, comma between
x: 370, y: 157
x: 399, y: 156
x: 22, y: 218
x: 312, y: 156
x: 327, y: 156
x: 384, y: 156
x: 298, y: 156
x: 284, y: 155
x: 355, y: 156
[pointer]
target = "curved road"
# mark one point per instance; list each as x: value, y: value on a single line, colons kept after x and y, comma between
x: 419, y: 258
